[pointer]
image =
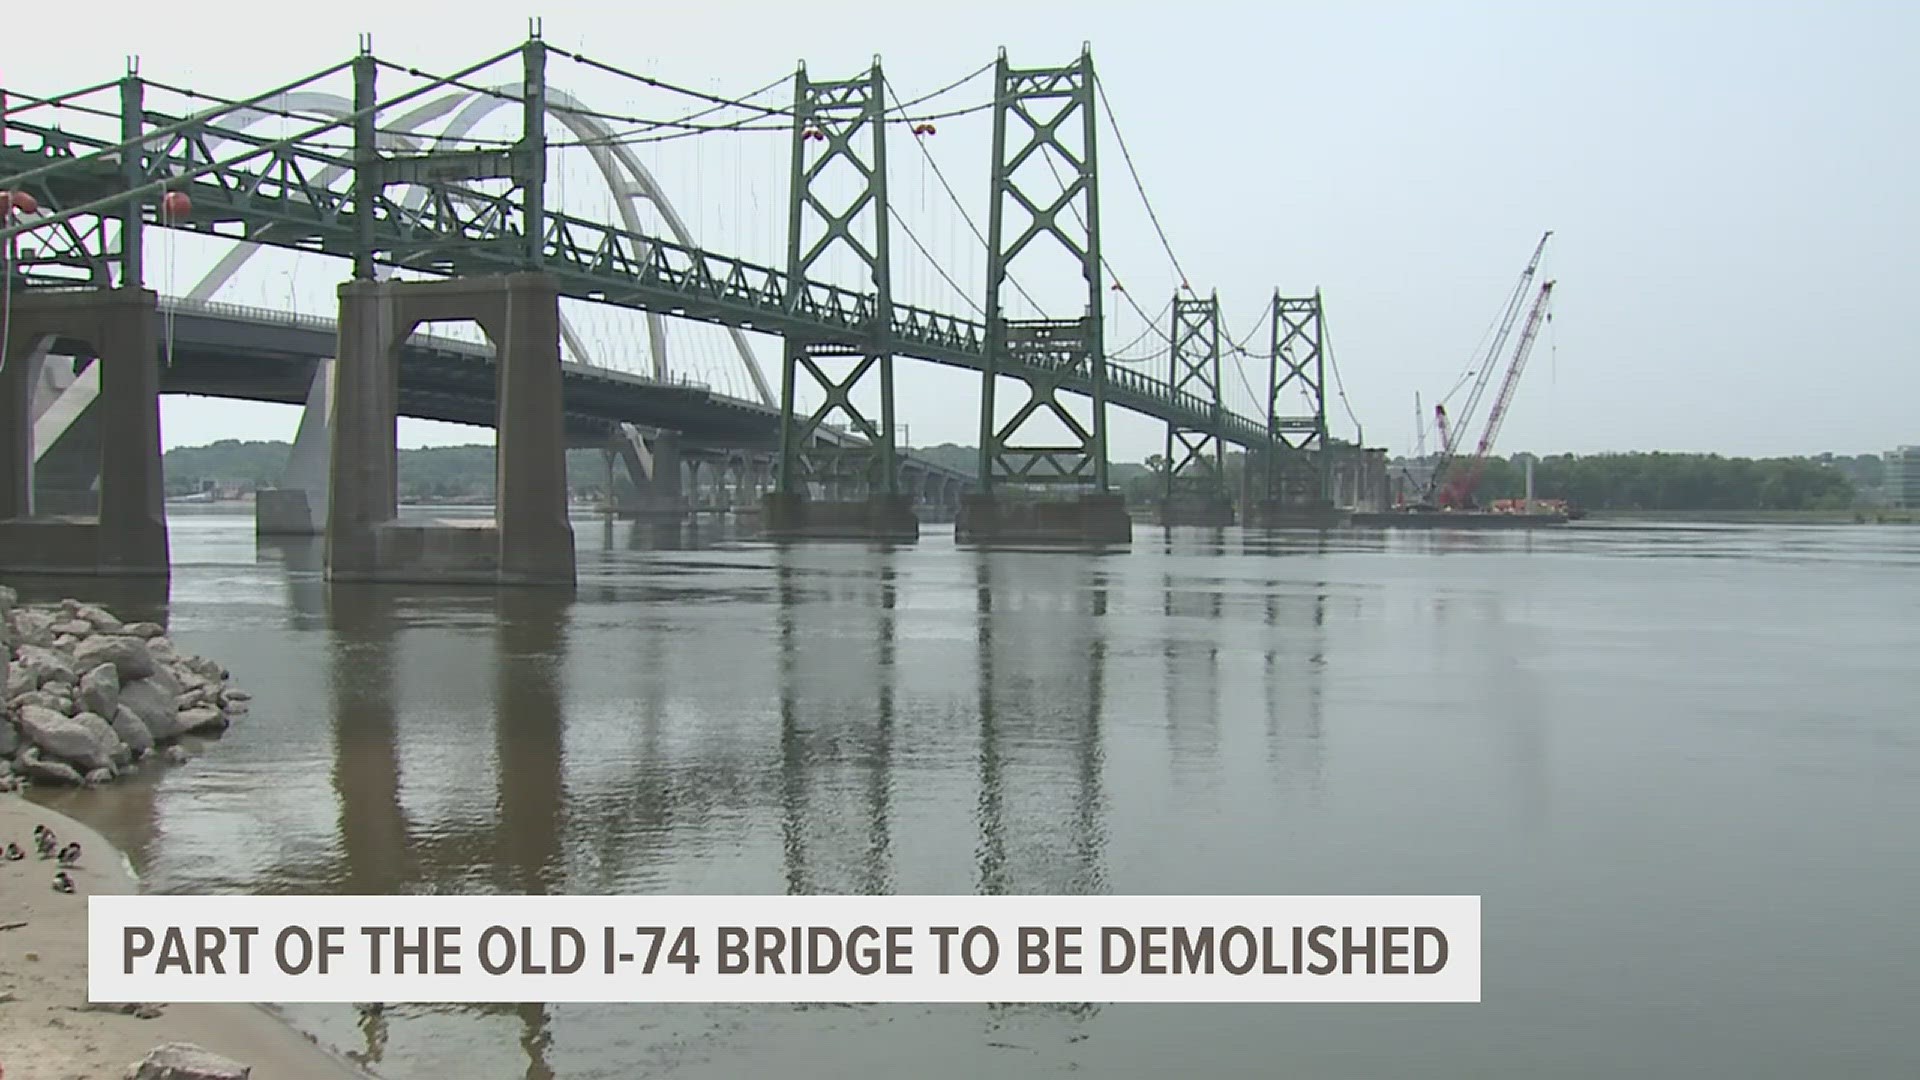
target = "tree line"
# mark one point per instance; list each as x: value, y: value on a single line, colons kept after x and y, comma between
x: 1629, y: 481
x: 1661, y: 481
x: 463, y: 473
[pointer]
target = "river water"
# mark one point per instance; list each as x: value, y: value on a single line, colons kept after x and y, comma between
x: 1681, y: 765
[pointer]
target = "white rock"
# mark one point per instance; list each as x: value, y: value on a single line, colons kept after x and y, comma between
x: 19, y: 681
x: 202, y: 719
x: 78, y: 628
x: 37, y: 768
x: 131, y: 730
x: 98, y: 777
x: 85, y: 740
x: 46, y: 665
x: 154, y: 705
x: 144, y: 629
x: 103, y: 620
x: 100, y: 690
x: 185, y: 1061
x: 128, y: 655
x: 31, y: 627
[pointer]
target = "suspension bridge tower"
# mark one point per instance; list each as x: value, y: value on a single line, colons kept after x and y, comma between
x: 856, y: 467
x: 1194, y: 487
x: 1043, y: 449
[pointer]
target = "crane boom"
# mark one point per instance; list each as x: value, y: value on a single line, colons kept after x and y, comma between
x: 1449, y: 442
x: 1460, y: 491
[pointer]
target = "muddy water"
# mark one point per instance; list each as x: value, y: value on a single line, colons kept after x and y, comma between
x: 1682, y: 765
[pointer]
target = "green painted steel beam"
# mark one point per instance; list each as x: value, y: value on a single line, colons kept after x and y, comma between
x: 268, y: 191
x: 1298, y: 466
x: 1055, y: 110
x: 848, y: 119
x: 1195, y: 456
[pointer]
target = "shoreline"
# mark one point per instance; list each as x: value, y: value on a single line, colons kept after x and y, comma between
x: 47, y: 1030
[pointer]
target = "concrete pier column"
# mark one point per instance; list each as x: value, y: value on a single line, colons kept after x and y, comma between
x: 363, y: 481
x: 530, y: 541
x: 129, y: 533
x: 663, y: 496
x: 298, y: 507
x: 536, y: 537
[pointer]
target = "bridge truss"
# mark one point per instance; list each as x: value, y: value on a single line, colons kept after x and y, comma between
x: 389, y: 203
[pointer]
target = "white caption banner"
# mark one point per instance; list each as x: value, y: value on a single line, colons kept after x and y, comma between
x: 424, y: 949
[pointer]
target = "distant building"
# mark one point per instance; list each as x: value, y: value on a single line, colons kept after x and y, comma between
x: 1903, y: 478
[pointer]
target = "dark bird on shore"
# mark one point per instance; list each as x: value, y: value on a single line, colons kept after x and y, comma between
x: 70, y: 854
x: 45, y: 842
x: 62, y: 883
x: 14, y: 854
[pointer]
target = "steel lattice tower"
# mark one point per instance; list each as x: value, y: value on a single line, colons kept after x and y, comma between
x: 844, y: 116
x: 1297, y: 475
x: 1194, y: 368
x: 1042, y: 352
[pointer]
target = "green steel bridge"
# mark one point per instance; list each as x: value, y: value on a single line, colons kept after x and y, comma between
x: 391, y: 202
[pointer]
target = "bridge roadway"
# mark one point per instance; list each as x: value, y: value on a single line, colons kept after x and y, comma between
x: 257, y: 354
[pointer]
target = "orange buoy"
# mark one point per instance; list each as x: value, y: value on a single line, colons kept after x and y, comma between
x: 18, y: 202
x: 176, y: 206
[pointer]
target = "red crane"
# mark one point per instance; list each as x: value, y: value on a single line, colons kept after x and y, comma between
x: 1458, y: 492
x: 1485, y: 366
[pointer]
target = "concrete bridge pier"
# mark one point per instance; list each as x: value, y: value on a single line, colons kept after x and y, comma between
x: 655, y: 467
x: 530, y: 541
x: 1207, y: 509
x: 990, y: 518
x: 128, y: 535
x: 298, y: 507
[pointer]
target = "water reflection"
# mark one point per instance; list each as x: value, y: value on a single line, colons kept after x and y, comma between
x: 1294, y: 664
x: 1294, y: 714
x: 375, y: 836
x: 836, y: 685
x: 1191, y: 612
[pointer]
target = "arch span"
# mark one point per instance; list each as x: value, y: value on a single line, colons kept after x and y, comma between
x: 626, y: 177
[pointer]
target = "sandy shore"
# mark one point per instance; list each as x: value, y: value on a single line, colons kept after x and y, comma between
x: 46, y: 1030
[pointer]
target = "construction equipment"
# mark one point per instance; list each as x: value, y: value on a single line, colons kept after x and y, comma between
x: 1449, y: 434
x: 1457, y: 494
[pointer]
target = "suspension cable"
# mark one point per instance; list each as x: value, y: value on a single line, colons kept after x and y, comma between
x: 1326, y: 343
x: 902, y: 222
x: 1127, y: 156
x: 977, y: 234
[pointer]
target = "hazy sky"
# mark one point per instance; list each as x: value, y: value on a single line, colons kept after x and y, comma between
x: 1731, y: 185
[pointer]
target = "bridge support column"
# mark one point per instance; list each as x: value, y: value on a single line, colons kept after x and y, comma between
x: 659, y: 495
x: 1049, y: 113
x: 1297, y: 461
x: 129, y: 534
x: 1195, y: 488
x: 530, y: 541
x: 298, y: 507
x: 859, y: 471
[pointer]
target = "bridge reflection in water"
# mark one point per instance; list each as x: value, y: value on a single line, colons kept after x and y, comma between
x: 725, y: 718
x: 850, y: 776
